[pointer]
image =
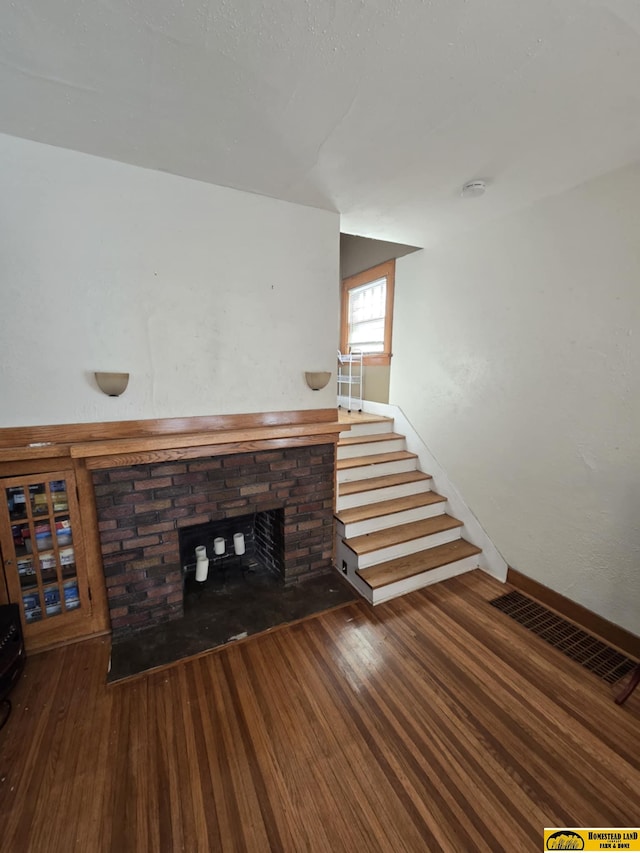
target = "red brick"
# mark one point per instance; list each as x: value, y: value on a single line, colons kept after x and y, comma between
x: 124, y: 578
x: 206, y: 465
x: 116, y: 512
x: 157, y: 592
x: 137, y: 473
x: 232, y: 504
x: 142, y: 564
x: 145, y: 485
x: 116, y: 590
x: 159, y: 527
x: 194, y: 519
x: 118, y: 611
x: 168, y: 469
x: 113, y: 489
x: 177, y: 512
x: 165, y: 548
x: 189, y: 500
x: 235, y: 513
x: 171, y: 492
x: 245, y: 480
x: 270, y: 455
x: 212, y: 510
x: 256, y: 489
x: 301, y: 552
x: 150, y: 506
x: 190, y: 477
x: 147, y: 583
x: 284, y: 465
x: 118, y: 535
x: 143, y: 541
x: 110, y: 547
x: 246, y: 459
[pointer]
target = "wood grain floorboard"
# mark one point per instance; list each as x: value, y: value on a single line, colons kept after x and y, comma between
x: 430, y: 723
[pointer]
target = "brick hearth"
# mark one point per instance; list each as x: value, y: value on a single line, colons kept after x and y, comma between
x: 142, y: 507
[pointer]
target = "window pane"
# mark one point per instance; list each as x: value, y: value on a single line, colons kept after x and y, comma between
x: 367, y: 306
x: 371, y: 332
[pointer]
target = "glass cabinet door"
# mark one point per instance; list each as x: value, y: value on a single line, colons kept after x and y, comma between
x: 43, y: 555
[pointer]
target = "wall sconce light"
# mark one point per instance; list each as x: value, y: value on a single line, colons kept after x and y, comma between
x: 112, y: 384
x: 317, y: 379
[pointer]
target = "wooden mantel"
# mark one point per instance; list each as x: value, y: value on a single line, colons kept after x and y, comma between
x: 112, y: 444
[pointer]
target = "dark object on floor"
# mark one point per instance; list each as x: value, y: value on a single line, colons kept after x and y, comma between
x: 583, y: 648
x: 224, y: 609
x: 12, y: 655
x: 631, y: 686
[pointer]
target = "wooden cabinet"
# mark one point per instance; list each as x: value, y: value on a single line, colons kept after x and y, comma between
x: 43, y: 555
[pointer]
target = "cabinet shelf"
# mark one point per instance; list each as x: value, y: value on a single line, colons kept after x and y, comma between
x: 42, y: 554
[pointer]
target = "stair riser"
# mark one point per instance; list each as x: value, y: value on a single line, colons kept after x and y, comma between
x: 349, y: 451
x: 403, y: 549
x: 356, y: 581
x: 384, y: 522
x: 381, y: 469
x: 347, y: 563
x: 376, y: 495
x: 376, y: 428
x: 394, y: 590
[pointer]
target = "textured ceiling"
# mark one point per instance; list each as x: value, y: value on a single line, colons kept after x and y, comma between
x: 379, y: 110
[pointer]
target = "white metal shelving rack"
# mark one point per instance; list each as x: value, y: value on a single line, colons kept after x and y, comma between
x: 350, y: 378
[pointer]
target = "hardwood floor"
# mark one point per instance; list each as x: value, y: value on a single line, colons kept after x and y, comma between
x: 432, y: 723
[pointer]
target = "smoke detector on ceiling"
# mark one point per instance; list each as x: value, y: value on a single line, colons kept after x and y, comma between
x: 473, y: 189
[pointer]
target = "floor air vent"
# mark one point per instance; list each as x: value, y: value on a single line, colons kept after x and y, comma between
x: 583, y: 648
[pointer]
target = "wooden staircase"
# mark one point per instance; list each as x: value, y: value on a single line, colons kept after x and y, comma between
x: 394, y: 534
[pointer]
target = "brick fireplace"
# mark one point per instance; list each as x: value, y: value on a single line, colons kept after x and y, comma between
x: 142, y: 508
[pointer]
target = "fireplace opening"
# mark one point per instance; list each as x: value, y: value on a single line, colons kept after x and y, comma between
x: 235, y: 548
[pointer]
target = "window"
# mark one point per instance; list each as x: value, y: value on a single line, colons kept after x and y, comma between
x: 367, y: 312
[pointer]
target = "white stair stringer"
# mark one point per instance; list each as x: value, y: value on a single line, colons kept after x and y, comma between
x: 398, y: 566
x: 491, y: 560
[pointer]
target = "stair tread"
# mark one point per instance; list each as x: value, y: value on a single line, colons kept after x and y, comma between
x: 414, y: 564
x: 384, y: 482
x: 350, y: 440
x: 355, y: 418
x: 374, y: 459
x: 369, y: 542
x: 373, y: 510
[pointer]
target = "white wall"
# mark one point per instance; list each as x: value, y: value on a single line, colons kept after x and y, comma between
x: 214, y: 300
x: 517, y: 358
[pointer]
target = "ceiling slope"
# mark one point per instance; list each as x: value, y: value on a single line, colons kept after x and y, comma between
x: 379, y: 110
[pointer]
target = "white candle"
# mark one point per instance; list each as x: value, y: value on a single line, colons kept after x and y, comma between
x: 238, y: 543
x: 219, y: 546
x: 202, y: 564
